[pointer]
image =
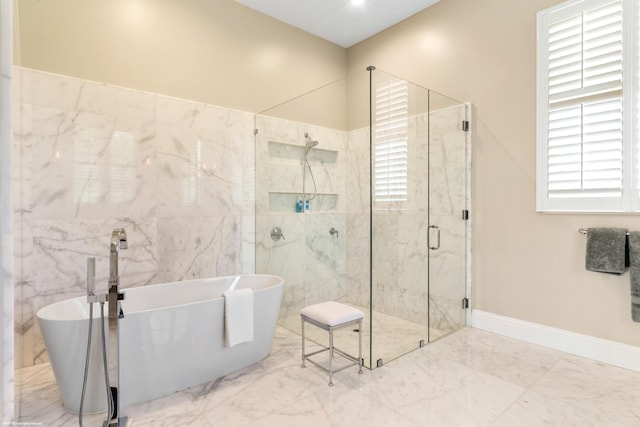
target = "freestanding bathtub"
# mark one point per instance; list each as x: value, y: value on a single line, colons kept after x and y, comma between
x: 171, y: 338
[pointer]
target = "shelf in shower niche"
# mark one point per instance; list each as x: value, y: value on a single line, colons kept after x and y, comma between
x: 292, y: 153
x: 286, y: 202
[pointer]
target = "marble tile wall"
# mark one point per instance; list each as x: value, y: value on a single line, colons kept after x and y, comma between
x: 6, y: 221
x: 358, y: 218
x: 88, y: 157
x: 311, y: 260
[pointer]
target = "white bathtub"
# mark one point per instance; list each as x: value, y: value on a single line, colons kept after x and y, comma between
x: 171, y: 338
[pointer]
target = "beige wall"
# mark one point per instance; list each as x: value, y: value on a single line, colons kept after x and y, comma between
x: 218, y: 52
x: 526, y: 265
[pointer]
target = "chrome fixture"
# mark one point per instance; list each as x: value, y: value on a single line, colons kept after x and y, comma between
x: 118, y: 242
x: 584, y: 231
x: 309, y: 144
x: 277, y: 234
x: 113, y: 298
x: 333, y: 231
x: 91, y: 281
x: 91, y: 299
x: 437, y: 229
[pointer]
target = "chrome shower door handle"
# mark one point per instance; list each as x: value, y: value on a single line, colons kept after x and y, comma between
x: 437, y: 230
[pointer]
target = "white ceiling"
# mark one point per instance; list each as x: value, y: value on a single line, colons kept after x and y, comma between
x: 340, y: 21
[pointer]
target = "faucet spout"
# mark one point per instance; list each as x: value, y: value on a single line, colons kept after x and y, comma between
x: 118, y: 241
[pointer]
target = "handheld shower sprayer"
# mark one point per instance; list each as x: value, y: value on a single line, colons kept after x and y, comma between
x: 308, y: 146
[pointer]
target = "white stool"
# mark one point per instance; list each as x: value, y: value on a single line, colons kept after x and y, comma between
x: 330, y: 316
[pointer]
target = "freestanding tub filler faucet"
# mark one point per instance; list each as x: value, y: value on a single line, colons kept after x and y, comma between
x: 118, y: 242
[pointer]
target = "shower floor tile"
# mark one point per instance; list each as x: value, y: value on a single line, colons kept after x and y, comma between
x: 468, y: 378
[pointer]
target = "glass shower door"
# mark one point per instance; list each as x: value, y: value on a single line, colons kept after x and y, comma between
x: 447, y: 215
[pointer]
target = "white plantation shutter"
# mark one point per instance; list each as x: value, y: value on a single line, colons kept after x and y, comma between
x: 390, y: 137
x: 585, y: 150
x: 581, y: 108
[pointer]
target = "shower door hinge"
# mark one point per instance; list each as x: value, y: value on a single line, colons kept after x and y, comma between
x: 465, y: 214
x: 465, y: 303
x: 255, y: 131
x: 465, y: 125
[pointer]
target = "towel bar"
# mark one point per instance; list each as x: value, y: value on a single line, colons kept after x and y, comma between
x: 584, y: 231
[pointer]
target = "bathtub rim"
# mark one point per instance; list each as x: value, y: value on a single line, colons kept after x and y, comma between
x: 41, y: 314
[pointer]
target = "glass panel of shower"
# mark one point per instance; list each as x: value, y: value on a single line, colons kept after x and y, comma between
x: 399, y: 216
x: 301, y: 202
x: 343, y: 210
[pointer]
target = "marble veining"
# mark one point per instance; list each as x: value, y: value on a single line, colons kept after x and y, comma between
x: 89, y: 157
x: 469, y: 378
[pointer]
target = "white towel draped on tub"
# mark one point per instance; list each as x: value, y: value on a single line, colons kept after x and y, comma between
x: 238, y: 316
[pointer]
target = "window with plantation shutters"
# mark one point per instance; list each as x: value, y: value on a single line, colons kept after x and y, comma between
x: 585, y: 154
x: 390, y: 141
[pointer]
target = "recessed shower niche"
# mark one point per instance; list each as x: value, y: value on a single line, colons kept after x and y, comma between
x: 286, y: 159
x: 383, y: 163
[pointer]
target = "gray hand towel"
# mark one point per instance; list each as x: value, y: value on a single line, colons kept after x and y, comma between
x: 606, y: 250
x: 634, y: 273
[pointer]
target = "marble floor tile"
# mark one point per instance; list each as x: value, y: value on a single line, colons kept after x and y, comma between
x: 598, y: 393
x: 511, y: 360
x: 469, y: 378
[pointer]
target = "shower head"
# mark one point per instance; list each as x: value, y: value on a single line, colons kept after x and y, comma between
x: 308, y: 146
x: 309, y: 143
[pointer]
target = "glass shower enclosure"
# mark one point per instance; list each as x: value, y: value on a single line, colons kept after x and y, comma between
x: 361, y: 198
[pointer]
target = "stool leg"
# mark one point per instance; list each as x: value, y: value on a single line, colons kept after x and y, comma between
x: 360, y: 347
x: 303, y: 356
x: 331, y: 356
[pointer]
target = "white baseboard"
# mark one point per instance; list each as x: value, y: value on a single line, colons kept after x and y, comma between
x: 610, y: 352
